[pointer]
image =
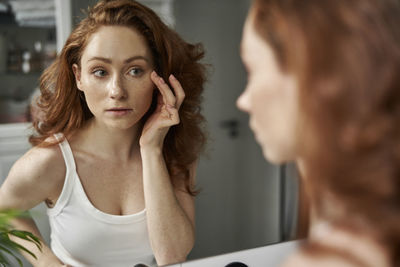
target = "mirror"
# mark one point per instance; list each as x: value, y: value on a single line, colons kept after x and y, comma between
x: 244, y: 202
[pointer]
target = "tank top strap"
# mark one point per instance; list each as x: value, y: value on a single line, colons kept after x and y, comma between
x: 70, y: 176
x: 66, y: 152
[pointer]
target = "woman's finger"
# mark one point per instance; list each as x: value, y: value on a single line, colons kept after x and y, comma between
x: 168, y: 97
x: 178, y: 90
x: 173, y: 116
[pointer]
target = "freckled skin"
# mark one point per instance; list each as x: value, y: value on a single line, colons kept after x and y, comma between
x: 116, y: 83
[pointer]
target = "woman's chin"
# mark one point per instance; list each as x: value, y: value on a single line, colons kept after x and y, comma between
x: 274, y: 157
x: 121, y: 124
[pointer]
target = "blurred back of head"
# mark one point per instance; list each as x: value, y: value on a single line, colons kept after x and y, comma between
x: 346, y: 57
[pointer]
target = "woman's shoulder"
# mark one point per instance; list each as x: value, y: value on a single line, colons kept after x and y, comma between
x: 321, y: 256
x: 41, y: 168
x: 40, y: 163
x: 339, y: 247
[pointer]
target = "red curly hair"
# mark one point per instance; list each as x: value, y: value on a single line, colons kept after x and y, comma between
x: 65, y: 107
x: 346, y: 57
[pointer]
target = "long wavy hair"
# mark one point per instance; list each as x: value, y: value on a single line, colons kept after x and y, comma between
x: 64, y: 106
x: 346, y: 57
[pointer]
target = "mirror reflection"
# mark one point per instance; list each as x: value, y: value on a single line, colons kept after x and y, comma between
x: 237, y: 209
x: 243, y: 201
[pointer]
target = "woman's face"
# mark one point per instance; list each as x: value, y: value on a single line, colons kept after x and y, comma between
x: 115, y: 76
x: 270, y: 98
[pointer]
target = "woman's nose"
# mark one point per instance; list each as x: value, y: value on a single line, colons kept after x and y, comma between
x: 243, y: 102
x: 117, y: 90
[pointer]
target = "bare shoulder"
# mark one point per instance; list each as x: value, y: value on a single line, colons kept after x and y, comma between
x: 41, y: 168
x: 302, y: 259
x: 330, y: 255
x: 39, y: 163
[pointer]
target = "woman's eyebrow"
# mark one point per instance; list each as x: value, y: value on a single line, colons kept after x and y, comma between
x: 106, y: 60
x: 128, y: 60
x: 136, y: 58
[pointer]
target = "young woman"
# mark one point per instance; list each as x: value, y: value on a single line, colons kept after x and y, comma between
x: 116, y: 146
x: 324, y: 91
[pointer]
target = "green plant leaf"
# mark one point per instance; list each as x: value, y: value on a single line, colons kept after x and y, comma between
x: 3, y: 260
x: 8, y: 246
x: 12, y: 254
x: 27, y: 236
x: 17, y: 247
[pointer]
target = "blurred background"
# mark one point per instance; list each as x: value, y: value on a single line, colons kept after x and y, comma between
x: 244, y: 201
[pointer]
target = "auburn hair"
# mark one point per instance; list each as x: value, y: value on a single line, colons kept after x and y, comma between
x: 64, y: 106
x: 346, y: 58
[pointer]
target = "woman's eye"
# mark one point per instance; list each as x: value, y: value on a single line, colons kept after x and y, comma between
x: 135, y: 71
x: 99, y: 73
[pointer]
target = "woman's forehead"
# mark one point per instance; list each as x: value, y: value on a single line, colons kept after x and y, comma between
x: 116, y: 42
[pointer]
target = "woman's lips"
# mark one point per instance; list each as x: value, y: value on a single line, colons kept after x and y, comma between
x: 118, y: 111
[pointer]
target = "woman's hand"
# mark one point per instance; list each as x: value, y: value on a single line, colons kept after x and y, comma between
x: 166, y: 113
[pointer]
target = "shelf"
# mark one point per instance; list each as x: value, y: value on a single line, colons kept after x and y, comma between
x: 21, y: 74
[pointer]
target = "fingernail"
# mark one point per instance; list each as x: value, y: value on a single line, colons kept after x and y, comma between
x: 172, y: 76
x: 170, y: 106
x: 161, y: 80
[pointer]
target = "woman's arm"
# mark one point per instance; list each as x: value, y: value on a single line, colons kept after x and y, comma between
x: 35, y: 177
x: 170, y: 211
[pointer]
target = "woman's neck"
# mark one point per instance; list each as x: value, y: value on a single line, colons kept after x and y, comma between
x: 332, y: 225
x: 118, y: 144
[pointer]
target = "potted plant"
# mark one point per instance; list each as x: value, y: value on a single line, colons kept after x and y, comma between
x: 9, y: 247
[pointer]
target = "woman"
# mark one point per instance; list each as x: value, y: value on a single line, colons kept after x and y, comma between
x: 324, y: 91
x: 116, y: 146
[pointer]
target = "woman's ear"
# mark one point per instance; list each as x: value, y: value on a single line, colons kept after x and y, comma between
x: 77, y: 74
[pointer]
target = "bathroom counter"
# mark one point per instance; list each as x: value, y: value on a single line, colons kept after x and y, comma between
x: 271, y: 256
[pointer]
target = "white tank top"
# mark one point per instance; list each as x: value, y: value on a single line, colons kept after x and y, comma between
x: 82, y: 235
